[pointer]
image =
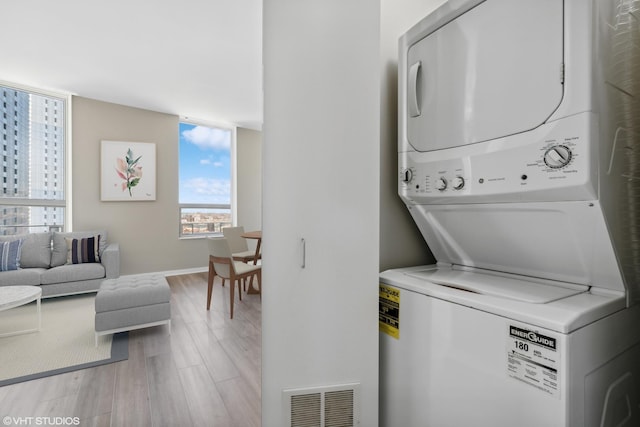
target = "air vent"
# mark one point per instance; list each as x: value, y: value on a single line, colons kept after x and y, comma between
x: 331, y: 406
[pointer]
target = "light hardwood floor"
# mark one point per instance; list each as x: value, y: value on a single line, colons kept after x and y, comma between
x: 205, y: 373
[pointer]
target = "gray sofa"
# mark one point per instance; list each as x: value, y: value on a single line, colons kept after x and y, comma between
x: 43, y: 262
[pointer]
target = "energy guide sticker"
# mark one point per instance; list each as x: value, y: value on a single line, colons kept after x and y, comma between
x: 389, y: 311
x: 534, y: 358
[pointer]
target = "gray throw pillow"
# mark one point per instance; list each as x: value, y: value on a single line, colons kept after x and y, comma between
x: 36, y: 249
x: 59, y: 253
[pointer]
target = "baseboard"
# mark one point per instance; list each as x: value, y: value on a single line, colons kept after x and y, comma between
x: 170, y: 272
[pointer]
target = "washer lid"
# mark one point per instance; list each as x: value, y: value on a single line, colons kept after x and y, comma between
x: 493, y: 71
x: 562, y: 315
x: 520, y: 288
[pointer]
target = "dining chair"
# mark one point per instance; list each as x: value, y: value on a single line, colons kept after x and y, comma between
x: 238, y: 244
x: 222, y: 264
x: 239, y: 248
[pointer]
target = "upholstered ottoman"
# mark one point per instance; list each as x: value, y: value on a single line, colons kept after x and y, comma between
x: 129, y: 303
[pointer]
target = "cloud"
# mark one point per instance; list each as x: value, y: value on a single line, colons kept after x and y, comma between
x: 211, y: 190
x: 209, y: 161
x: 208, y: 138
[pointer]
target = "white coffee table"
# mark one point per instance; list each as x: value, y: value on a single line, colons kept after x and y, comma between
x: 15, y: 296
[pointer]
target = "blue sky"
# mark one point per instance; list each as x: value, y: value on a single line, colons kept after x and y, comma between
x: 205, y: 164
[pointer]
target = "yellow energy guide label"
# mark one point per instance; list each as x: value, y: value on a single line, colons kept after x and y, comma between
x: 389, y: 311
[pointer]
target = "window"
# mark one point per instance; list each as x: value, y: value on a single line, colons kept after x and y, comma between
x: 28, y: 201
x: 205, y: 179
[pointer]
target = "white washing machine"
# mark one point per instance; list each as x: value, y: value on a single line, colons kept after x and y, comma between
x: 519, y: 126
x: 463, y: 348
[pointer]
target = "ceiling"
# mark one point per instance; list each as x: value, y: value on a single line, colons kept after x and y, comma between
x: 199, y: 59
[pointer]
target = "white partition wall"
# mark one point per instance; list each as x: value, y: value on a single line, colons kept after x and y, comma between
x: 320, y: 204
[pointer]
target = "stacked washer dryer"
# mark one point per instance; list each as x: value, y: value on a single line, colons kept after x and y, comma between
x: 519, y: 160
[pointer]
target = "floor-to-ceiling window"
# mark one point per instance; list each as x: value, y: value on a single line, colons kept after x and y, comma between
x: 33, y: 141
x: 206, y: 171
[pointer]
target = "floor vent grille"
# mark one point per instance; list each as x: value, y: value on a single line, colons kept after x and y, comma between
x: 331, y: 406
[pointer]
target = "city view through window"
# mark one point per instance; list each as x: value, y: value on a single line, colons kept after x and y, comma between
x: 33, y: 152
x: 205, y: 179
x: 204, y: 221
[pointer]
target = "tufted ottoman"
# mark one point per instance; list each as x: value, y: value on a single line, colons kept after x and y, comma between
x: 129, y: 303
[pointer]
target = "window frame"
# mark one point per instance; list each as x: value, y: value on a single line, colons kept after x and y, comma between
x: 232, y: 179
x: 65, y: 202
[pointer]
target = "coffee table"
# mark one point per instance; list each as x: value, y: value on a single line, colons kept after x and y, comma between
x: 15, y: 296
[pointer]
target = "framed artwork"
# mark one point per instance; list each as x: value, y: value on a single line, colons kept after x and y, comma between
x: 128, y: 171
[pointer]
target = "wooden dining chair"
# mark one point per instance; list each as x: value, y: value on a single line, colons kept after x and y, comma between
x: 223, y: 265
x: 240, y: 248
x: 238, y: 244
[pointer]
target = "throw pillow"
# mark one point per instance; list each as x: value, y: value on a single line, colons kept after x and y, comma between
x: 10, y: 255
x: 59, y: 251
x: 83, y: 250
x: 36, y: 250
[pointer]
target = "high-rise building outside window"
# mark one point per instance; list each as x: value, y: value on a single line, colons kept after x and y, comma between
x: 33, y: 143
x: 205, y: 179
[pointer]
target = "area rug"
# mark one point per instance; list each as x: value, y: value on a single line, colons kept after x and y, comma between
x: 65, y: 343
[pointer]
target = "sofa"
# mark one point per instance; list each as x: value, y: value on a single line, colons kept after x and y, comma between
x: 62, y: 263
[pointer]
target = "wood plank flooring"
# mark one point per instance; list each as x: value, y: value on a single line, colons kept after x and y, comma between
x: 205, y: 373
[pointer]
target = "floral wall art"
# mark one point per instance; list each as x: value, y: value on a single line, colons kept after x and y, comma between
x: 128, y: 171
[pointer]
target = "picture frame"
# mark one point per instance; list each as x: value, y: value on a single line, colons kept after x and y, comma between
x: 127, y: 171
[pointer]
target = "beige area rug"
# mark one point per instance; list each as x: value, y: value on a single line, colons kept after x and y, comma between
x: 65, y: 343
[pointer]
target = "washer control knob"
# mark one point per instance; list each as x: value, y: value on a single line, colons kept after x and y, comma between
x: 441, y: 184
x: 407, y: 176
x: 458, y: 183
x: 557, y: 156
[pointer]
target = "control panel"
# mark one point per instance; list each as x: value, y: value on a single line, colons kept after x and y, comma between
x: 546, y: 164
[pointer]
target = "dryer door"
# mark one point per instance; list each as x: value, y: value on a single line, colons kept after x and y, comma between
x: 493, y: 71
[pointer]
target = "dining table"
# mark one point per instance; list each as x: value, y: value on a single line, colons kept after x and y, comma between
x: 255, y: 235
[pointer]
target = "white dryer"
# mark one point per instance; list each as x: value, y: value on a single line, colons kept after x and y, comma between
x: 519, y: 133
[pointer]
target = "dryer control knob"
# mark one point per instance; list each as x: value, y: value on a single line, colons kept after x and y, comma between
x: 441, y: 184
x: 458, y: 183
x: 407, y: 176
x: 557, y: 156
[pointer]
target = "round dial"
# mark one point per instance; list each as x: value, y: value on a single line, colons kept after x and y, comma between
x: 441, y: 184
x: 557, y: 156
x: 407, y: 176
x: 457, y: 183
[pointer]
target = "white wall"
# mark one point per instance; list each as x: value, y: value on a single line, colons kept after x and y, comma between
x: 401, y: 243
x: 321, y: 183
